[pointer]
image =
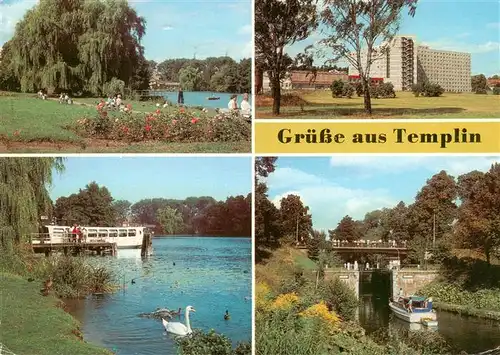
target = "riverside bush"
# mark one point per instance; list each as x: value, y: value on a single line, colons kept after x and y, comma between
x: 183, y: 125
x: 211, y: 343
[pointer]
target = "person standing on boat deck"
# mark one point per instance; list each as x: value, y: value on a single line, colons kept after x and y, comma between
x: 233, y: 103
x: 180, y: 97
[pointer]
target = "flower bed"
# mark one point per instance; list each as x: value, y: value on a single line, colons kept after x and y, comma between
x: 178, y: 125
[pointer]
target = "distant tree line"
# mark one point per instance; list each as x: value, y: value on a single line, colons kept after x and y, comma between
x: 95, y: 206
x: 446, y: 213
x: 217, y: 74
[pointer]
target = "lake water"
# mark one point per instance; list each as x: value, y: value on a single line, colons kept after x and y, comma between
x: 470, y: 334
x: 210, y: 274
x: 199, y: 98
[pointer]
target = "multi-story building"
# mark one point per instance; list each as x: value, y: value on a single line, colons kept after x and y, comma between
x: 403, y: 64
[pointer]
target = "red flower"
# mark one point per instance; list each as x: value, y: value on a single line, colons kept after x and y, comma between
x: 147, y: 128
x: 174, y: 121
x: 129, y: 106
x: 158, y: 111
x: 182, y: 110
x: 125, y: 129
x: 16, y: 132
x: 104, y: 114
x: 194, y: 120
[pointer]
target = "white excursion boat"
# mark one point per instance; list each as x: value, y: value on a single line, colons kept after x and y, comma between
x: 414, y: 309
x: 124, y: 237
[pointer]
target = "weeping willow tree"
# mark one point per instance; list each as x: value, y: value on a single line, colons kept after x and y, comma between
x: 24, y: 196
x: 77, y: 45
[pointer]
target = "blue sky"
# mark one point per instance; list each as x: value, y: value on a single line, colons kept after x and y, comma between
x: 458, y: 25
x: 175, y: 28
x: 353, y: 185
x: 136, y: 178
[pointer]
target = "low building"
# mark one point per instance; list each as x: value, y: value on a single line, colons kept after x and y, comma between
x: 302, y: 80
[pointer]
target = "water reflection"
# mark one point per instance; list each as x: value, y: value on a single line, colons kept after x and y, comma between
x: 211, y: 274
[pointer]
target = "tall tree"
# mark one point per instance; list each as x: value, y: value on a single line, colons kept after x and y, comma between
x: 347, y: 229
x: 77, y: 45
x: 432, y: 214
x: 24, y: 196
x: 296, y: 222
x: 479, y: 84
x: 355, y: 28
x: 398, y: 222
x: 479, y: 214
x: 170, y: 219
x: 92, y: 206
x: 279, y: 24
x: 190, y: 78
x: 122, y: 211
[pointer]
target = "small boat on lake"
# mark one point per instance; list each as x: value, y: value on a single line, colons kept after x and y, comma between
x: 413, y: 309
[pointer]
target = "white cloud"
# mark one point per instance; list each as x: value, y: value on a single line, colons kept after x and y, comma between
x: 167, y: 28
x: 494, y: 25
x: 247, y: 50
x: 448, y: 44
x: 328, y: 203
x: 10, y: 14
x: 369, y: 165
x: 245, y: 30
x: 286, y: 178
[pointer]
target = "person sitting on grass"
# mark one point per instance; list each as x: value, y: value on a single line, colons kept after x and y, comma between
x: 233, y: 103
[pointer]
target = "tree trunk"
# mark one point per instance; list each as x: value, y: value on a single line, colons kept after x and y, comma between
x: 367, y: 97
x: 276, y: 96
x: 487, y: 253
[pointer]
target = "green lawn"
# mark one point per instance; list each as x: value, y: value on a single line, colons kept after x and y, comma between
x: 31, y: 125
x: 32, y: 324
x: 320, y: 104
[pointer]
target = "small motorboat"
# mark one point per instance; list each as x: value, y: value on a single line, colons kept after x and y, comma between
x: 413, y: 309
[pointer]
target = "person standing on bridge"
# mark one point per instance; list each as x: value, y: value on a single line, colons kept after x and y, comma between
x: 180, y: 97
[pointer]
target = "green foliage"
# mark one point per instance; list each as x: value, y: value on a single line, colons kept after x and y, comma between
x: 92, y: 206
x: 190, y: 78
x: 122, y: 211
x: 279, y: 24
x: 347, y: 229
x: 341, y: 298
x: 337, y: 88
x: 383, y: 91
x: 200, y: 215
x: 496, y: 90
x: 427, y: 89
x: 77, y: 46
x: 170, y: 219
x: 348, y: 90
x: 114, y: 87
x: 314, y: 243
x: 23, y: 187
x: 479, y: 84
x: 181, y: 126
x: 211, y: 343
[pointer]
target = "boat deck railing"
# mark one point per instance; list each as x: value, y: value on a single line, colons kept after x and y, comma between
x: 45, y: 238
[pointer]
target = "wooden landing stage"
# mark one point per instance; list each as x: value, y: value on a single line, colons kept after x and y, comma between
x: 72, y: 248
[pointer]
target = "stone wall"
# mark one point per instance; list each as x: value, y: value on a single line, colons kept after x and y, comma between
x: 350, y: 277
x: 411, y: 280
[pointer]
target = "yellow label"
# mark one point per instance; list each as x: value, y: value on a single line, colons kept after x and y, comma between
x: 377, y: 137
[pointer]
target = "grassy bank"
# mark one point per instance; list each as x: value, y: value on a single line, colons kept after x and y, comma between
x: 320, y: 104
x: 467, y: 311
x: 31, y: 125
x: 34, y: 325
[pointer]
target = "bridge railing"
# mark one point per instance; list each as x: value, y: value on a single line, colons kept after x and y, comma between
x: 367, y: 244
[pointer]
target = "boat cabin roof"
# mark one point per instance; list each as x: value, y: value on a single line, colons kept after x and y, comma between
x: 416, y: 298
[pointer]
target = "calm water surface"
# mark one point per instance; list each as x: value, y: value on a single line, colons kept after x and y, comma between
x: 210, y: 274
x: 199, y: 98
x: 465, y: 333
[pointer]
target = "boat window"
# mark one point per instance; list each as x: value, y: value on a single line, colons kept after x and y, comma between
x: 92, y: 233
x: 131, y: 232
x: 113, y: 233
x: 123, y: 233
x: 103, y: 233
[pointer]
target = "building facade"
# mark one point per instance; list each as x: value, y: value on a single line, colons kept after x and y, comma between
x: 404, y: 63
x: 301, y: 80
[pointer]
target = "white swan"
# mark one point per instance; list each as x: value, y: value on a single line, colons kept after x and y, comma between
x: 177, y: 327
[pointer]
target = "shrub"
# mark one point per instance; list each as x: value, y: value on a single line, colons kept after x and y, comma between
x: 348, y: 90
x: 427, y: 89
x: 183, y: 125
x: 114, y: 86
x: 341, y: 298
x: 211, y: 343
x: 481, y: 91
x: 337, y: 88
x: 496, y: 90
x: 359, y: 89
